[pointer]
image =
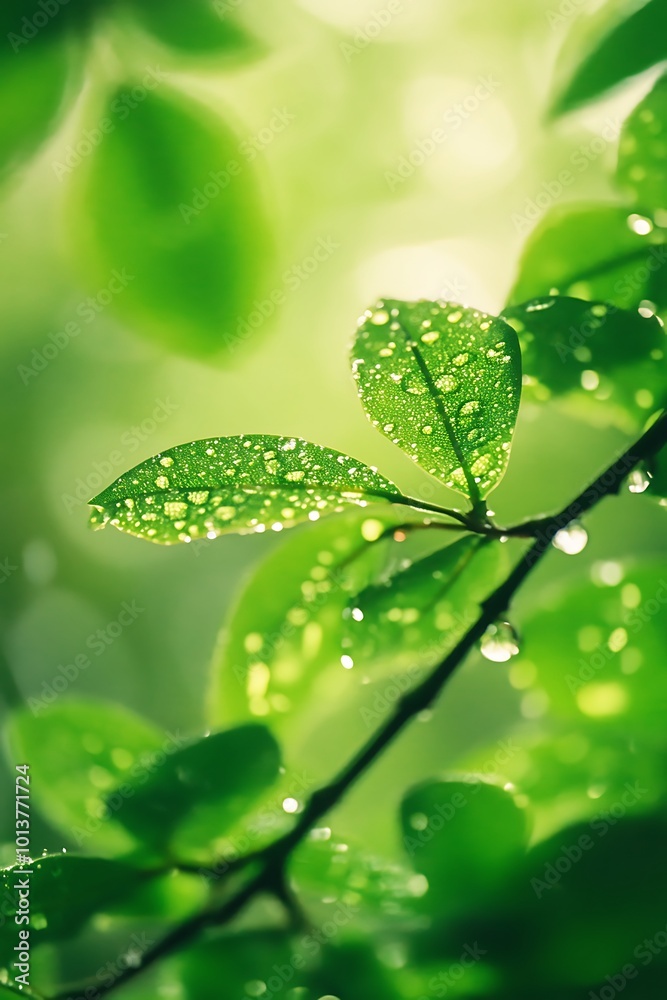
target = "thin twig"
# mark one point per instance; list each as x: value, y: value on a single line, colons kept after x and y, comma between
x: 273, y: 858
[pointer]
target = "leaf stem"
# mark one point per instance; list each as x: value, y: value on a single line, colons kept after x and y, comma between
x: 272, y: 860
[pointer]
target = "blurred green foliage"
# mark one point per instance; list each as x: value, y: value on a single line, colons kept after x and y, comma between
x: 197, y: 203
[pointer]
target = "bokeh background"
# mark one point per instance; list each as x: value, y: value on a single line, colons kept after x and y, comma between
x: 352, y: 104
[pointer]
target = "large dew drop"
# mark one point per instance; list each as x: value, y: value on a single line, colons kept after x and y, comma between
x: 572, y: 539
x: 500, y: 642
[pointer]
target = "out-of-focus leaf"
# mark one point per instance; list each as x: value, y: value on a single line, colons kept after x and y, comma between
x: 613, y: 357
x: 325, y: 870
x: 169, y: 221
x: 417, y: 615
x: 629, y: 48
x: 237, y: 484
x: 311, y: 966
x: 200, y: 27
x: 210, y: 784
x: 281, y: 646
x: 606, y: 667
x: 78, y: 751
x: 63, y: 892
x: 642, y: 160
x: 466, y: 837
x: 657, y: 468
x: 38, y: 71
x: 443, y: 383
x: 593, y: 252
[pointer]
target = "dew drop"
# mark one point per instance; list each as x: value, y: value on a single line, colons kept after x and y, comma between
x: 500, y: 642
x: 380, y: 317
x: 638, y: 481
x: 572, y: 539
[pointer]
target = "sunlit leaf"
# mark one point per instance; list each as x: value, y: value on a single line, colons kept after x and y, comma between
x: 78, y: 752
x: 642, y: 160
x: 206, y: 786
x: 443, y: 383
x: 416, y: 615
x: 39, y: 71
x: 237, y: 484
x: 466, y: 837
x: 606, y: 667
x: 629, y: 48
x: 280, y: 652
x: 167, y: 219
x: 593, y: 252
x: 201, y: 27
x: 64, y: 892
x: 604, y: 356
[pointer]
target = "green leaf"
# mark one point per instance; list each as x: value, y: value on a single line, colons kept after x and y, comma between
x: 443, y: 383
x: 592, y: 252
x: 600, y: 356
x: 657, y: 468
x: 78, y: 751
x: 606, y: 667
x: 466, y: 837
x: 65, y: 891
x: 642, y: 160
x: 40, y: 72
x: 310, y: 966
x: 206, y: 787
x: 197, y: 28
x: 413, y: 618
x: 236, y: 484
x: 279, y: 652
x: 168, y: 219
x: 629, y: 48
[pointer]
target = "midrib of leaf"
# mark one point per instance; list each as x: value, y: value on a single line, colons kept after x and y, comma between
x: 442, y: 411
x: 458, y: 570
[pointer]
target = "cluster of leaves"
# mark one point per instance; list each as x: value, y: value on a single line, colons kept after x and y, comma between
x: 503, y: 886
x: 137, y: 159
x: 612, y: 252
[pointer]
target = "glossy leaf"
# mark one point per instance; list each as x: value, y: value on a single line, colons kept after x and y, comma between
x: 605, y: 668
x: 168, y: 215
x: 642, y: 161
x: 237, y: 484
x: 207, y: 785
x: 466, y: 837
x: 65, y: 891
x: 613, y: 357
x: 279, y: 653
x: 413, y: 618
x: 443, y: 383
x: 198, y: 28
x: 39, y: 71
x: 593, y: 252
x: 629, y: 48
x: 78, y: 751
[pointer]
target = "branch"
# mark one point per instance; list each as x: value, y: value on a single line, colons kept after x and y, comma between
x: 272, y: 860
